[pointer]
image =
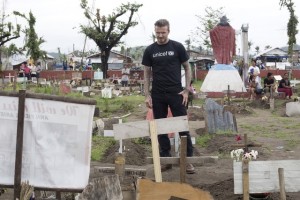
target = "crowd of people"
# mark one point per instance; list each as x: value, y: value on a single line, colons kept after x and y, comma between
x: 270, y: 85
x: 30, y: 70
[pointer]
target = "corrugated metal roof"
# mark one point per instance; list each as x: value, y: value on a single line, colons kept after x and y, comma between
x: 272, y: 52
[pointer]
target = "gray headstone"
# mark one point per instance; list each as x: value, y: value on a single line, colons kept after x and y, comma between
x: 217, y: 118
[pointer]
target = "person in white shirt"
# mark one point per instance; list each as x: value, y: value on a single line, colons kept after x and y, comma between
x: 125, y: 76
x: 253, y: 69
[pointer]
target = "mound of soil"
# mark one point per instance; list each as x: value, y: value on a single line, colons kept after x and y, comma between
x: 135, y: 154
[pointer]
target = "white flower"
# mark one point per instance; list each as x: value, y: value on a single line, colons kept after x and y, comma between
x: 239, y: 154
x: 236, y: 154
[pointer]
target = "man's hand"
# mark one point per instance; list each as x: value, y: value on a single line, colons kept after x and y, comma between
x: 148, y: 101
x: 185, y: 94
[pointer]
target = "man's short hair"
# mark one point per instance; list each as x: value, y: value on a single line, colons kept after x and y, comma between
x: 162, y: 23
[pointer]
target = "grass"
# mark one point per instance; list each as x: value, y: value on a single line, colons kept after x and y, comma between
x: 202, y: 140
x: 99, y: 145
x: 125, y: 103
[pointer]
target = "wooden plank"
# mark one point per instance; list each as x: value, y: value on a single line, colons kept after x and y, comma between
x: 176, y: 160
x: 141, y: 128
x: 183, y: 148
x: 120, y: 165
x: 149, y: 190
x: 263, y: 176
x: 19, y: 144
x: 52, y: 98
x: 155, y: 151
x: 281, y: 184
x: 128, y: 171
x: 245, y: 167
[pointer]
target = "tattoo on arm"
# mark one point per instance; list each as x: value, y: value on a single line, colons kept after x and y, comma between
x: 147, y: 72
x: 188, y: 74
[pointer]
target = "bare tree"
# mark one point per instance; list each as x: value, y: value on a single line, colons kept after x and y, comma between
x: 8, y: 31
x: 207, y: 21
x: 107, y: 31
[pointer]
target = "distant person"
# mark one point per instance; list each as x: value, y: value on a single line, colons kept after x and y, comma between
x: 269, y: 83
x: 285, y: 86
x: 163, y: 60
x: 255, y: 87
x: 33, y: 70
x: 223, y: 41
x: 38, y: 70
x: 21, y: 71
x: 125, y: 76
x: 65, y: 65
x: 253, y: 69
x: 71, y: 64
x: 27, y: 71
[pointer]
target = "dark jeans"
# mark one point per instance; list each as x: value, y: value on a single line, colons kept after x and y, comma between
x: 160, y: 102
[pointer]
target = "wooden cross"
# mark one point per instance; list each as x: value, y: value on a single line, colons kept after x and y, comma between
x: 153, y: 128
x: 245, y: 166
x: 246, y: 145
x: 10, y: 78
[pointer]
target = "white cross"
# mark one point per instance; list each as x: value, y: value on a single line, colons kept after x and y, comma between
x: 9, y: 77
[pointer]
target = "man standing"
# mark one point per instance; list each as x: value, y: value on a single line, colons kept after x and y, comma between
x: 254, y: 69
x: 164, y: 59
x: 125, y: 76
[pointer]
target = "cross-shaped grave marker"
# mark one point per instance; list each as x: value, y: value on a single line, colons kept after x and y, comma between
x: 11, y: 78
x: 153, y: 128
x: 245, y: 166
x: 246, y: 144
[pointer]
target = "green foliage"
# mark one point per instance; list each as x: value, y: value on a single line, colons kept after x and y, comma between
x: 99, y: 145
x: 202, y: 140
x: 208, y: 21
x: 33, y: 42
x: 127, y: 103
x: 107, y: 31
x: 292, y: 24
x: 8, y: 32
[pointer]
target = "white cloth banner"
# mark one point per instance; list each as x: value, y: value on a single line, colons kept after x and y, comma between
x: 56, y: 146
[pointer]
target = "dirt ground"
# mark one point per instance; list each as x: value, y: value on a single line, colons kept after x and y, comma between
x: 278, y: 134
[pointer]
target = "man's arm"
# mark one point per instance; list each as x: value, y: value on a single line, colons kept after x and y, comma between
x: 188, y: 75
x: 185, y: 92
x: 147, y: 73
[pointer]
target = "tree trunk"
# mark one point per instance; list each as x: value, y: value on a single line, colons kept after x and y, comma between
x: 104, y: 62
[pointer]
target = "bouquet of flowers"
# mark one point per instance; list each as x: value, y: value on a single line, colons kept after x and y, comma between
x: 239, y: 155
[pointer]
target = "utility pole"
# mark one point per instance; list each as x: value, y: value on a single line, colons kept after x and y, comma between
x: 245, y: 28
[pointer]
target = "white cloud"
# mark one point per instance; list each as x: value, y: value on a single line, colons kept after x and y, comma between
x: 56, y: 20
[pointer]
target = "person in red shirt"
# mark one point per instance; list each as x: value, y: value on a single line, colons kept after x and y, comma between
x: 27, y: 71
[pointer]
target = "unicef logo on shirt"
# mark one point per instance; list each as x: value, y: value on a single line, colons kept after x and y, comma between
x: 170, y: 53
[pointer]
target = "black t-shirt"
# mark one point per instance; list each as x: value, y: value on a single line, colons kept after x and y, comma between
x: 286, y: 82
x: 165, y: 61
x: 268, y: 82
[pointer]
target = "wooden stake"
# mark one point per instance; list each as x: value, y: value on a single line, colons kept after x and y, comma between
x: 120, y: 165
x: 281, y: 184
x: 245, y: 169
x: 183, y: 149
x: 19, y: 144
x: 155, y: 151
x: 58, y: 195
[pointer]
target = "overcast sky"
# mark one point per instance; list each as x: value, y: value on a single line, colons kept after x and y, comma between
x: 57, y: 21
